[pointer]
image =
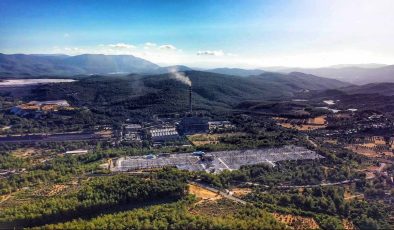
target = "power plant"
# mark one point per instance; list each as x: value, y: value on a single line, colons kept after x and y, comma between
x: 190, y: 99
x: 192, y: 124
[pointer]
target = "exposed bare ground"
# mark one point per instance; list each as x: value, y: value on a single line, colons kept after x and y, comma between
x: 218, y: 208
x: 203, y: 194
x: 367, y: 151
x: 204, y: 139
x: 24, y: 152
x: 240, y: 192
x: 296, y: 222
x: 302, y: 124
x: 348, y: 225
x: 51, y: 191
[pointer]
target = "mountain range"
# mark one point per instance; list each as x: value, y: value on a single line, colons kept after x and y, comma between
x: 161, y: 93
x: 353, y: 74
x: 22, y: 65
x: 33, y: 65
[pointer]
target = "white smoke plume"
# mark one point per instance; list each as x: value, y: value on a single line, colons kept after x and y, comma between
x: 179, y: 76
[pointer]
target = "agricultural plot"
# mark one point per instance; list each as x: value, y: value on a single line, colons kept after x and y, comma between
x: 217, y: 161
x: 297, y: 222
x: 370, y: 150
x: 217, y: 208
x: 303, y: 124
x: 204, y: 139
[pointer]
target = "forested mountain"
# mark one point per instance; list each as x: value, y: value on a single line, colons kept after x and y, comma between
x: 32, y: 65
x: 352, y: 74
x: 386, y: 89
x: 162, y: 94
x: 236, y: 71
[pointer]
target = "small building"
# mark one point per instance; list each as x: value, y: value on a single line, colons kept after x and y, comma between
x: 220, y: 125
x: 132, y: 127
x: 78, y: 152
x: 132, y: 132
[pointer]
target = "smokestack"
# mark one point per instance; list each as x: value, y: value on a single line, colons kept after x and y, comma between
x: 190, y: 99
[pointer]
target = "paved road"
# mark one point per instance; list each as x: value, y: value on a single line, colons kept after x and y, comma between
x: 308, y: 186
x: 50, y: 138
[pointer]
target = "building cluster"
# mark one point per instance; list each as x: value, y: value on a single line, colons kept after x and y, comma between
x: 131, y: 132
x: 220, y: 125
x: 171, y: 131
x: 37, y: 108
x: 164, y: 134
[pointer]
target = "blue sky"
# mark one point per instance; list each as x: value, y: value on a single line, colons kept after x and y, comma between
x: 205, y: 33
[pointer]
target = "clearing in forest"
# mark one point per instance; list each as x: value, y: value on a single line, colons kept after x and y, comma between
x: 203, y: 194
x: 205, y: 139
x: 296, y: 222
x: 302, y: 124
x: 240, y: 192
x: 217, y: 208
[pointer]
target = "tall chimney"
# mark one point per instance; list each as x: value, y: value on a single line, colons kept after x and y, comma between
x: 190, y: 99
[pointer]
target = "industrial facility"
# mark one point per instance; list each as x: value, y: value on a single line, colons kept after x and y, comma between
x: 164, y: 134
x: 214, y: 162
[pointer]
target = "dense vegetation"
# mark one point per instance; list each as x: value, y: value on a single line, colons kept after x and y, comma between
x: 100, y: 194
x: 176, y: 216
x: 320, y: 203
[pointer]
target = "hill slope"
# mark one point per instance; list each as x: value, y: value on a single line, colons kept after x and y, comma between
x: 386, y: 89
x: 157, y: 94
x: 355, y: 75
x: 33, y: 65
x: 236, y: 71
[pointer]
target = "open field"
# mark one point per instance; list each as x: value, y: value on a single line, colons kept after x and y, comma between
x: 24, y: 152
x: 302, y: 124
x: 216, y: 208
x: 51, y: 190
x: 203, y: 194
x: 34, y: 154
x: 370, y: 150
x: 204, y: 139
x: 240, y: 192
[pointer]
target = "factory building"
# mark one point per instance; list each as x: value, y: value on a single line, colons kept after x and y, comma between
x: 193, y: 125
x: 220, y: 125
x: 164, y: 134
x: 132, y: 132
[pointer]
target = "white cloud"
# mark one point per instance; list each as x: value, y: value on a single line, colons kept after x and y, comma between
x: 73, y: 49
x: 70, y: 50
x: 121, y: 46
x: 167, y: 47
x: 231, y: 55
x: 150, y: 44
x: 210, y: 53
